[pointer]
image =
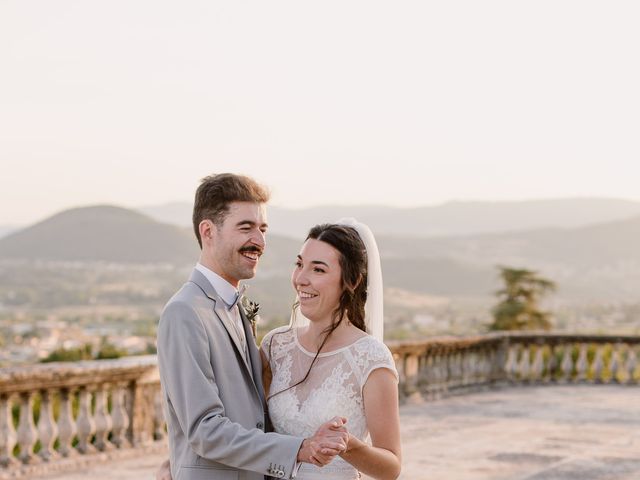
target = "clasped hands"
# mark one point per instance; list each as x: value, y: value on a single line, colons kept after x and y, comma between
x: 331, y: 439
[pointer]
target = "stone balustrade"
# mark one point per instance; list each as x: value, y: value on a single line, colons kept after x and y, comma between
x: 68, y: 413
x: 73, y: 411
x: 449, y: 365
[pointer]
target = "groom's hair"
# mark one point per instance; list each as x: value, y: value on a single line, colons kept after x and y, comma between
x: 216, y: 192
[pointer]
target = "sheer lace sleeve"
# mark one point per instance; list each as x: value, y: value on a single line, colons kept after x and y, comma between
x: 272, y: 343
x: 372, y: 355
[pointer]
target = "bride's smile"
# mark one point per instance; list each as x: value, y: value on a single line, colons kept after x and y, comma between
x: 317, y: 280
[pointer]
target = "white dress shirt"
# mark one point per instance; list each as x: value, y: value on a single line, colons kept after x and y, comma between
x: 227, y: 292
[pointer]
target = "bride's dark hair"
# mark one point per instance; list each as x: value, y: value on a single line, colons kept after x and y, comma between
x: 353, y: 266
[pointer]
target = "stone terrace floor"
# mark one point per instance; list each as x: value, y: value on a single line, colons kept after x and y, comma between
x: 524, y: 433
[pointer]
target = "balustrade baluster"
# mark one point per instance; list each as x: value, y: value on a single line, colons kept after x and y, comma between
x: 631, y: 364
x: 552, y: 364
x: 475, y: 365
x: 538, y: 365
x: 511, y: 366
x: 423, y: 373
x: 597, y: 367
x: 119, y: 417
x: 85, y: 423
x: 614, y: 365
x: 27, y: 433
x: 446, y: 376
x: 485, y: 371
x: 447, y: 363
x: 582, y: 364
x: 465, y: 356
x: 103, y: 420
x: 8, y: 436
x: 411, y: 370
x: 567, y: 363
x: 447, y: 356
x: 524, y: 364
x: 456, y: 371
x: 498, y: 363
x: 481, y: 370
x: 430, y: 375
x: 66, y: 424
x: 440, y: 373
x: 447, y: 368
x: 47, y: 428
x: 494, y: 370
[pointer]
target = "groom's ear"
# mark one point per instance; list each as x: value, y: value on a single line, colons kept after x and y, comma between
x: 206, y: 230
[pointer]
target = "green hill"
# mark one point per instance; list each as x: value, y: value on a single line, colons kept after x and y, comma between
x: 101, y: 233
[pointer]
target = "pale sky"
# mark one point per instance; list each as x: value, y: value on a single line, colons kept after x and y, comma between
x: 332, y: 102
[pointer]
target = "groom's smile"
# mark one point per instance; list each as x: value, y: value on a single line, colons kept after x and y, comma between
x: 251, y: 253
x: 239, y: 242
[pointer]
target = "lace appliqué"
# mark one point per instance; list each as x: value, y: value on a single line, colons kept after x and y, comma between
x: 334, y: 387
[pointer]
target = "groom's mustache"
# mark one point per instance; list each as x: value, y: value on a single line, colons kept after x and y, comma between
x: 252, y: 248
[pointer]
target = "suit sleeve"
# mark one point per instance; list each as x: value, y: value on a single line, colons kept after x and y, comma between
x: 191, y: 390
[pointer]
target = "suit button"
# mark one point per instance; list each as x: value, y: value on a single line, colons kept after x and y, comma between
x: 260, y: 425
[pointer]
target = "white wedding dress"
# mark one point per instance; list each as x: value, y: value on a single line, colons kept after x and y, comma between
x: 334, y: 388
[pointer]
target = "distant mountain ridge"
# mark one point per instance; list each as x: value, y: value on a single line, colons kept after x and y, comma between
x: 449, y: 219
x: 6, y: 230
x: 596, y: 260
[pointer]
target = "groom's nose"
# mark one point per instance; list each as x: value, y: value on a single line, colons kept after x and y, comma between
x: 259, y: 238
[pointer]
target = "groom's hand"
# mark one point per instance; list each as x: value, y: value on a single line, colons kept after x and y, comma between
x: 164, y: 472
x: 330, y: 439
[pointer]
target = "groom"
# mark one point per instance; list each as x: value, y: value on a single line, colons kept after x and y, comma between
x: 209, y: 364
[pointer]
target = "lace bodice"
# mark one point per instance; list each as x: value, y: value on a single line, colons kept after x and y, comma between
x: 334, y: 387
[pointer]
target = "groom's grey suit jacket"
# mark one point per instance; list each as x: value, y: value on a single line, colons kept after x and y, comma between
x: 214, y: 401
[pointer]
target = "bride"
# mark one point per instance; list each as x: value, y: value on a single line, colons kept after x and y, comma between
x: 331, y: 360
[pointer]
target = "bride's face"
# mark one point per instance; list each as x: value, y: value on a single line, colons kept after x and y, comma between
x: 317, y: 278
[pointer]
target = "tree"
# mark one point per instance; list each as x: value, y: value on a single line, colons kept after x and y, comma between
x: 69, y: 355
x: 518, y: 307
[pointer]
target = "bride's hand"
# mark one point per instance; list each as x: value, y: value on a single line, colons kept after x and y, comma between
x: 329, y: 440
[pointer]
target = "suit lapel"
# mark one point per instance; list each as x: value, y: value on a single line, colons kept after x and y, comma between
x: 224, y: 316
x: 227, y: 320
x: 254, y: 353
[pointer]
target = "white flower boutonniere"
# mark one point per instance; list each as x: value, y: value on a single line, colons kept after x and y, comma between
x: 251, y: 311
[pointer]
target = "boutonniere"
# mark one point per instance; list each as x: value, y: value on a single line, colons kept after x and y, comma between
x: 251, y: 312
